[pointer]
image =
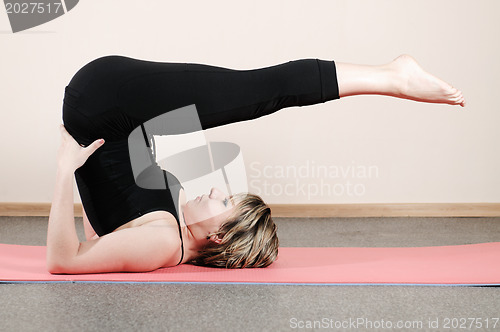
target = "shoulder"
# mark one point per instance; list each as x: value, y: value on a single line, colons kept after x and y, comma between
x: 165, y: 234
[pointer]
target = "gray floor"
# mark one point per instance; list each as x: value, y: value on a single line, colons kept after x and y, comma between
x: 211, y: 307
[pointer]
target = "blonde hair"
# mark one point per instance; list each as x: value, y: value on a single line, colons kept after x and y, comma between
x: 248, y: 237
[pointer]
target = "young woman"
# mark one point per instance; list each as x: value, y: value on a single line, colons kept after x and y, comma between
x: 129, y: 228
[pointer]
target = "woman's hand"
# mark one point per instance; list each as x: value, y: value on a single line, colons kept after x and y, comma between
x: 71, y: 155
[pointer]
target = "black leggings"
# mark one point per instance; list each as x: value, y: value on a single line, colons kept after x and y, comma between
x: 111, y: 96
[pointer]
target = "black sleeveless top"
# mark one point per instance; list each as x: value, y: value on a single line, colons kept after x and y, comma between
x: 111, y: 196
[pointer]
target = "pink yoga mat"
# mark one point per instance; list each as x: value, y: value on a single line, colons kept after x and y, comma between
x: 472, y: 264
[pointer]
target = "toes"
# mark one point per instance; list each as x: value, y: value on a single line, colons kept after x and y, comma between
x: 462, y: 102
x: 449, y: 91
x: 459, y: 101
x: 457, y: 94
x: 456, y: 100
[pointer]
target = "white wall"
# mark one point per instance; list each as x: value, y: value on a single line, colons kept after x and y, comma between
x: 418, y: 152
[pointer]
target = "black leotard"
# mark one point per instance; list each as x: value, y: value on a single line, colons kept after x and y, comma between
x: 112, y: 95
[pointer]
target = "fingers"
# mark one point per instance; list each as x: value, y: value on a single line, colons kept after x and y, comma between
x: 91, y: 148
x: 94, y: 146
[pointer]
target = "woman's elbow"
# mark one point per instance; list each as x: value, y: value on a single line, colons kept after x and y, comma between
x: 57, y: 266
x: 54, y: 268
x: 60, y: 261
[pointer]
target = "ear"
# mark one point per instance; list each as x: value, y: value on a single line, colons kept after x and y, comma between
x: 215, y: 238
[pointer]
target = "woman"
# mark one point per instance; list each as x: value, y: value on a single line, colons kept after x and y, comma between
x: 129, y: 228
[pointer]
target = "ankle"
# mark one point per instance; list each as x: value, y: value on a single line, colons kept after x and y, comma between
x: 396, y: 82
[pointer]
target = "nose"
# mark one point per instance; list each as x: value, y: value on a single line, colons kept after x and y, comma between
x: 214, y: 192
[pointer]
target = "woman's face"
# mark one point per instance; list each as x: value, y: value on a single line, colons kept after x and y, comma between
x: 216, y: 206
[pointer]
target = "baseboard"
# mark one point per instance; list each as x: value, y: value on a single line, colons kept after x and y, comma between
x: 318, y: 210
x: 388, y: 210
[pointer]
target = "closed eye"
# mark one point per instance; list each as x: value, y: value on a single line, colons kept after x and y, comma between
x: 229, y: 199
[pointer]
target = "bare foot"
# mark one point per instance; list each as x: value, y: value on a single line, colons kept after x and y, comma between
x: 419, y: 85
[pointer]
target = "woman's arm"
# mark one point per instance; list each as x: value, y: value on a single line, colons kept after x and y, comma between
x: 90, y: 233
x: 129, y: 250
x: 138, y: 249
x: 62, y: 240
x: 134, y: 249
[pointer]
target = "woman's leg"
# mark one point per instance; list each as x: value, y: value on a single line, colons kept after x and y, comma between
x: 402, y: 78
x: 222, y: 95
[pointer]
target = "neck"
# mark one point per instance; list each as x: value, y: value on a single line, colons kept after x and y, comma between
x: 194, y: 239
